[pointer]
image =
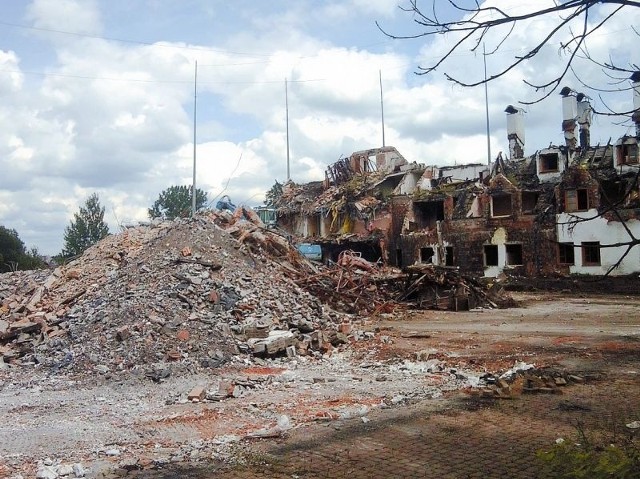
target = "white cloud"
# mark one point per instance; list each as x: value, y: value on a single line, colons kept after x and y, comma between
x: 116, y: 117
x: 66, y: 15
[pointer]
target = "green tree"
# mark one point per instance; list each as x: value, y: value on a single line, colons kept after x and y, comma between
x: 13, y: 254
x: 273, y: 195
x: 175, y: 202
x: 32, y: 259
x: 11, y: 249
x: 87, y: 228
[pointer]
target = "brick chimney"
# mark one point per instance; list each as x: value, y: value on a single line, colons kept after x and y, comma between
x: 635, y: 83
x: 585, y: 114
x: 515, y: 131
x: 569, y: 115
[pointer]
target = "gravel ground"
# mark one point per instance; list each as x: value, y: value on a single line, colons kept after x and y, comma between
x: 125, y: 421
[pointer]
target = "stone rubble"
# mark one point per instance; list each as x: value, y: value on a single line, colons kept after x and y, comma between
x: 187, y: 292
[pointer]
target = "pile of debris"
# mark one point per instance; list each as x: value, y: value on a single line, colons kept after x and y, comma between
x: 525, y: 379
x: 439, y: 287
x: 357, y: 286
x: 200, y: 292
x: 353, y: 285
x: 196, y: 292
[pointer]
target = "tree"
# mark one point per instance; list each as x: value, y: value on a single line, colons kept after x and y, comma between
x: 274, y: 194
x: 13, y: 254
x: 87, y: 228
x: 11, y: 249
x: 569, y: 24
x: 176, y: 202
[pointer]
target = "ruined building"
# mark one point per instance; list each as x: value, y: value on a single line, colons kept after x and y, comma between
x: 568, y: 209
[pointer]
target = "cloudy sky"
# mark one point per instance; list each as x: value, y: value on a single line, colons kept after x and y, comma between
x: 98, y: 96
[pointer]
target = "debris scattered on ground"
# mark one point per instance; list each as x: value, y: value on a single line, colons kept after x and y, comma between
x: 524, y: 378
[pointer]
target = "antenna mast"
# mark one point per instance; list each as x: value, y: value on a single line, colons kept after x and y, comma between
x: 486, y: 105
x: 381, y: 107
x: 286, y: 103
x: 193, y: 187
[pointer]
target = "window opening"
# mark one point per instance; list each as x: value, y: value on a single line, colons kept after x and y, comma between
x: 491, y: 255
x: 501, y: 205
x: 428, y: 213
x: 627, y: 154
x: 426, y: 255
x: 576, y: 200
x: 566, y: 253
x: 514, y: 254
x: 448, y: 255
x: 591, y: 253
x: 548, y: 162
x: 529, y: 201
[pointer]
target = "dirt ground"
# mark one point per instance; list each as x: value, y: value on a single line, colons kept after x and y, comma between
x: 402, y: 402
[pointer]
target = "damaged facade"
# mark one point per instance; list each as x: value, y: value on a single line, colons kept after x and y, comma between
x: 561, y: 210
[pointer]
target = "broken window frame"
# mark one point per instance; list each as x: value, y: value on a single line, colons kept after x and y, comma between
x: 510, y: 254
x: 494, y: 252
x: 449, y: 258
x: 543, y: 163
x: 591, y: 253
x: 424, y: 252
x: 503, y: 202
x: 428, y: 213
x: 529, y: 194
x: 627, y: 154
x: 576, y: 199
x: 566, y: 254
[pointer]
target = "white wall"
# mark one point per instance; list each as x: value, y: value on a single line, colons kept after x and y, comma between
x: 464, y: 172
x: 499, y: 239
x: 552, y: 176
x: 605, y: 232
x: 408, y: 184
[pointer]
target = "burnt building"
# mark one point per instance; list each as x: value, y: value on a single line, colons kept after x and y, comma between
x: 568, y: 209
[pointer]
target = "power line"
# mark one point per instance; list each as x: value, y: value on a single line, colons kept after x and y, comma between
x: 136, y: 42
x: 140, y: 80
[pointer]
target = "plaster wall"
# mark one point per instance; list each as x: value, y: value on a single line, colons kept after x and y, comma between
x: 606, y: 232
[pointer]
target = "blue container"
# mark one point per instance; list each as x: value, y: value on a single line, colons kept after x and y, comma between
x: 311, y: 251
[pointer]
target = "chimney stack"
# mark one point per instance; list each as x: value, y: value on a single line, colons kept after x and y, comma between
x: 515, y: 132
x: 585, y: 113
x: 635, y: 83
x: 569, y: 115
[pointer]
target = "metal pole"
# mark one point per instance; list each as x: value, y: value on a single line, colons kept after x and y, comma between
x: 195, y: 96
x: 381, y: 107
x: 286, y: 102
x: 486, y: 105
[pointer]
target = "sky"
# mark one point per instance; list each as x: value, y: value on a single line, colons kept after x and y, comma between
x: 97, y: 96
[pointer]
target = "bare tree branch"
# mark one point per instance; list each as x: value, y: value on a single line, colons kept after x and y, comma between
x: 471, y: 23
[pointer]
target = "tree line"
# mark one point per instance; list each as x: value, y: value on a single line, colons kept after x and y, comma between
x: 88, y: 227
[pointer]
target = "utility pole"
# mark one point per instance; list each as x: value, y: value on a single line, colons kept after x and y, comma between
x: 381, y: 107
x: 195, y: 96
x: 286, y: 103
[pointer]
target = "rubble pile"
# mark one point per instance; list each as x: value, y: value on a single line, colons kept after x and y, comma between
x: 438, y: 287
x: 201, y: 291
x: 525, y: 379
x: 190, y: 291
x: 355, y: 285
x: 352, y: 285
